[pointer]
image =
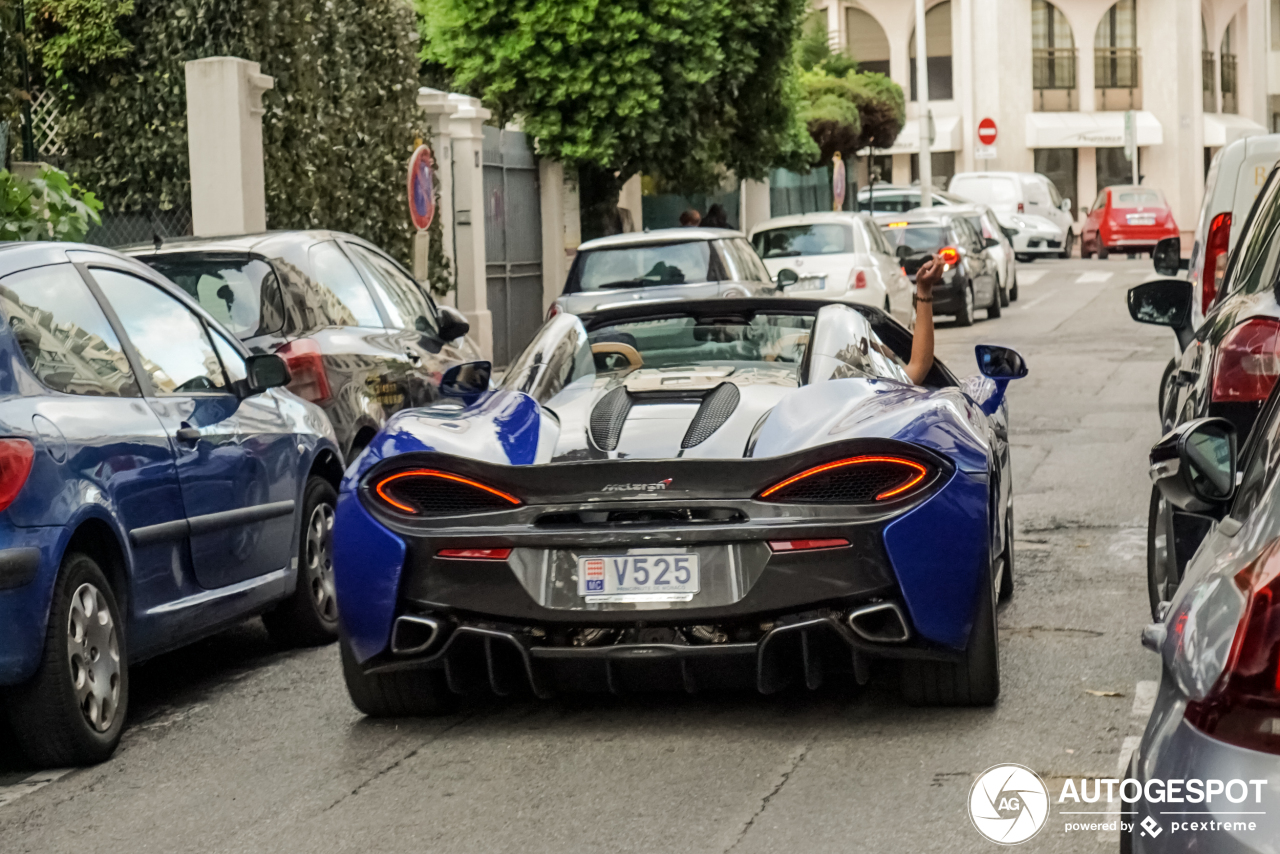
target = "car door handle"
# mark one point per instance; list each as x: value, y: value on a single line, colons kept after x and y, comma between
x: 188, y: 435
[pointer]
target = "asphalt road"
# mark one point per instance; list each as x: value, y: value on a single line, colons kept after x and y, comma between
x: 234, y: 746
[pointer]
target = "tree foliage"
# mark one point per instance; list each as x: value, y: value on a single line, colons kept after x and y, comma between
x: 612, y: 88
x: 11, y: 92
x: 48, y: 207
x: 338, y: 129
x: 76, y: 35
x: 844, y: 109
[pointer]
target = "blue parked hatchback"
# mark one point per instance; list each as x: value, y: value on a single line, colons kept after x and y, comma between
x: 156, y: 485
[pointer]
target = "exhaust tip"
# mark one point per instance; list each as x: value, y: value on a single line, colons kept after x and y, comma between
x: 413, y: 635
x: 882, y: 622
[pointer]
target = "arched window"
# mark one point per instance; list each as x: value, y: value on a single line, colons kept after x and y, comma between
x: 867, y: 42
x: 1227, y: 61
x: 1116, y: 64
x: 937, y: 40
x: 1053, y: 57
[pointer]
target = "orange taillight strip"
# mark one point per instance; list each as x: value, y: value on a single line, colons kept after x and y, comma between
x: 443, y: 475
x: 921, y: 473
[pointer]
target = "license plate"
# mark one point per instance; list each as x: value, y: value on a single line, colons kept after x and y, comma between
x: 1141, y: 219
x: 654, y: 577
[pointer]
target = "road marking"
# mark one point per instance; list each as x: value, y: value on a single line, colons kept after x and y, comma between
x: 13, y: 791
x: 1094, y: 276
x: 1127, y: 747
x: 1144, y: 699
x: 1034, y: 302
x: 1030, y: 277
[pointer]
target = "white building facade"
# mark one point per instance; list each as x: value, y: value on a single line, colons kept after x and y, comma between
x: 1057, y: 78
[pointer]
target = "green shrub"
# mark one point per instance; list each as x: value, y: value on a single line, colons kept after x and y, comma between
x: 49, y: 207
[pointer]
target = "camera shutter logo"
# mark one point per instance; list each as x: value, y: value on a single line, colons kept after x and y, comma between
x: 1008, y: 804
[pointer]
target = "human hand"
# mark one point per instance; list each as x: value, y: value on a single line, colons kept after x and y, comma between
x: 929, y: 274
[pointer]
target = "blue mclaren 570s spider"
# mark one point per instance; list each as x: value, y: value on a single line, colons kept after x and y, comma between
x: 684, y: 495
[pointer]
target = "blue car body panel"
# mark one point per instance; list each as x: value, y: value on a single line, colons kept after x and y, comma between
x: 109, y: 464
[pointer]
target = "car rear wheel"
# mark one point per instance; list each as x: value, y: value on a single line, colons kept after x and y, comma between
x: 972, y: 681
x: 964, y: 317
x: 1162, y: 561
x: 1013, y: 290
x: 310, y: 616
x: 1102, y: 251
x: 1006, y: 560
x: 993, y: 310
x: 1069, y: 245
x: 72, y: 711
x: 397, y: 694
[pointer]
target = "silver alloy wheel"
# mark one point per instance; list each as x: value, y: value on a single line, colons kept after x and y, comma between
x: 319, y: 561
x: 93, y: 650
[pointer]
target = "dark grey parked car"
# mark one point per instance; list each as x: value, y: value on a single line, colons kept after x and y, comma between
x: 361, y: 337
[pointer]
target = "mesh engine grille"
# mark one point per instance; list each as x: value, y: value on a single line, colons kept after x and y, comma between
x: 852, y: 484
x: 715, y: 410
x: 437, y: 496
x: 608, y: 417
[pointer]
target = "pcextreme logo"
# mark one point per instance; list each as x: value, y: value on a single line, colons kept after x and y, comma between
x: 1008, y: 804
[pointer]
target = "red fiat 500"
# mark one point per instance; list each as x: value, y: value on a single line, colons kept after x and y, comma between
x: 1126, y: 219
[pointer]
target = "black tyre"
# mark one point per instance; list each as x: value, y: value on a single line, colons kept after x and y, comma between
x: 972, y: 681
x: 398, y: 694
x: 1006, y: 559
x: 1102, y: 251
x: 964, y: 317
x: 1070, y: 244
x: 1004, y: 296
x: 993, y: 310
x: 1162, y: 562
x: 72, y: 711
x: 1013, y: 291
x: 310, y: 616
x: 1166, y: 385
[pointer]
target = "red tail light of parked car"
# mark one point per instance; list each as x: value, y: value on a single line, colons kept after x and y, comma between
x: 306, y: 367
x: 1216, y: 246
x: 16, y: 456
x: 1248, y: 362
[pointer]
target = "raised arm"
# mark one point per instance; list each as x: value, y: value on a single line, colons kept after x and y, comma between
x: 930, y: 274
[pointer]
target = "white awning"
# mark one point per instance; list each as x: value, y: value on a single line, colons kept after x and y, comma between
x: 1224, y: 128
x: 1089, y: 130
x: 946, y: 137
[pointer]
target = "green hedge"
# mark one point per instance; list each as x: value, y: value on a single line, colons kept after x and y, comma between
x: 339, y: 127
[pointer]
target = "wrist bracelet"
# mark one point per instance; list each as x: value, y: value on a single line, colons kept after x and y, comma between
x: 916, y: 298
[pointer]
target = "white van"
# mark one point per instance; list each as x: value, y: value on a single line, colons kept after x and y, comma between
x: 1021, y: 193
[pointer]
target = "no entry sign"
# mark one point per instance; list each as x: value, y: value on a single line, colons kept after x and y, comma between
x: 422, y: 197
x: 987, y: 131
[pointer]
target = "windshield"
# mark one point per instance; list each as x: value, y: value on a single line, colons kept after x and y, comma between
x: 917, y: 238
x: 240, y: 292
x: 640, y: 266
x: 1136, y: 199
x: 817, y: 239
x: 987, y: 191
x: 778, y: 339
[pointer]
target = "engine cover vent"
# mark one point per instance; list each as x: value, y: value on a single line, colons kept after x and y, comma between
x: 607, y: 418
x: 716, y: 408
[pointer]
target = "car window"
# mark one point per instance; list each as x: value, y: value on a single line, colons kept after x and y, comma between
x: 63, y: 333
x: 747, y: 264
x: 344, y: 299
x: 984, y: 190
x: 241, y: 293
x: 1054, y: 196
x: 232, y: 362
x: 1259, y: 247
x: 618, y: 267
x: 1261, y: 460
x: 1136, y: 199
x: 402, y: 297
x: 877, y: 238
x: 917, y: 238
x: 825, y: 238
x: 1100, y: 202
x: 171, y: 340
x: 1036, y: 192
x: 684, y: 342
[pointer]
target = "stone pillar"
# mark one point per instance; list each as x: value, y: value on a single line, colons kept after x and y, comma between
x: 224, y: 140
x: 631, y: 200
x: 438, y: 110
x: 1086, y: 179
x: 465, y: 130
x: 551, y: 199
x: 754, y: 206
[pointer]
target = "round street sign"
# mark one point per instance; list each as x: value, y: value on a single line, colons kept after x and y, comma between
x: 422, y: 195
x: 987, y: 131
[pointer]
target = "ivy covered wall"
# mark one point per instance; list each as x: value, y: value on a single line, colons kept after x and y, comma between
x: 339, y: 126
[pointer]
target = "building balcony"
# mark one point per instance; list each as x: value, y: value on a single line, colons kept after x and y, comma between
x: 1117, y: 78
x: 1053, y: 79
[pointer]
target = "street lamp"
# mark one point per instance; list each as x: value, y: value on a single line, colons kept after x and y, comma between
x: 922, y: 109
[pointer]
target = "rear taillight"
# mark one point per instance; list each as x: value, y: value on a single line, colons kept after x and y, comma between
x: 856, y: 480
x: 949, y: 255
x: 306, y: 367
x: 15, y: 464
x: 1215, y: 260
x: 554, y: 310
x: 474, y: 554
x: 1248, y: 362
x: 1022, y: 208
x: 807, y: 545
x: 1243, y: 707
x: 858, y: 280
x: 428, y: 492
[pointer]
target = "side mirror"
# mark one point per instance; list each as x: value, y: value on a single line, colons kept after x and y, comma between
x: 1066, y: 206
x: 1194, y: 466
x: 903, y: 252
x: 991, y: 243
x: 1164, y: 302
x: 1009, y: 232
x: 1000, y: 364
x: 453, y: 323
x: 787, y: 277
x: 466, y: 380
x: 264, y: 371
x: 1167, y: 256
